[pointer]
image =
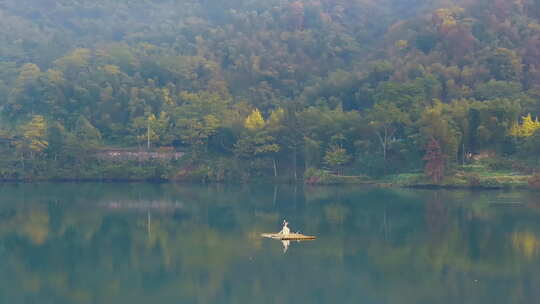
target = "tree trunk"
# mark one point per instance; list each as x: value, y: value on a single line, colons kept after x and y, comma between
x: 384, y: 152
x: 385, y: 146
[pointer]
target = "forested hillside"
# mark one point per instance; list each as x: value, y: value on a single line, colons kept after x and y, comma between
x: 251, y: 88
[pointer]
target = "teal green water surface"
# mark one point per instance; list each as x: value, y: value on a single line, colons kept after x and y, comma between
x: 167, y: 243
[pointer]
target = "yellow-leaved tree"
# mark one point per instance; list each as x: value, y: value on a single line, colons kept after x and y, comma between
x: 33, y: 138
x: 254, y: 121
x: 34, y: 133
x: 526, y: 243
x: 527, y: 127
x: 276, y: 118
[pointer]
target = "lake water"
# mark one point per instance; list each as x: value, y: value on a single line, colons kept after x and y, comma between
x: 167, y: 243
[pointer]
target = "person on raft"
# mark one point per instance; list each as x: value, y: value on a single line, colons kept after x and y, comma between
x: 285, y: 229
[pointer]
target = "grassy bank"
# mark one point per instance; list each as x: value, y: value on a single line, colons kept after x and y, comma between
x: 314, y: 176
x: 228, y: 170
x: 480, y: 176
x: 488, y: 180
x: 477, y: 176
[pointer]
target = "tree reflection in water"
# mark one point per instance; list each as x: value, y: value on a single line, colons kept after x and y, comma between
x: 64, y: 243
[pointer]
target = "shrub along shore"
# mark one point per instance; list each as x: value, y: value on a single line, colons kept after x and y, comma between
x: 480, y: 175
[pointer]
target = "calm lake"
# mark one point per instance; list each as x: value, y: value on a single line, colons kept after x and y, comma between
x: 167, y: 243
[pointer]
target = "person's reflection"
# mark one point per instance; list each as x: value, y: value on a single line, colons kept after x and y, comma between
x: 285, y: 244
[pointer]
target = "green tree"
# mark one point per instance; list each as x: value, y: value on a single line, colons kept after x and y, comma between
x: 504, y: 64
x: 385, y: 119
x: 496, y: 119
x: 24, y: 99
x: 57, y: 137
x: 152, y: 130
x: 459, y: 113
x: 199, y: 118
x: 293, y: 136
x: 312, y: 153
x: 494, y: 89
x: 532, y: 146
x: 336, y: 157
x: 435, y: 123
x: 257, y: 145
x: 86, y: 134
x: 74, y: 61
x: 196, y: 132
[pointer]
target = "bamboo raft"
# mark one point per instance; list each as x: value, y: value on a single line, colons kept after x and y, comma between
x: 288, y: 237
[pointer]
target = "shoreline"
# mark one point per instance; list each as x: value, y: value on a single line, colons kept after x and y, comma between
x: 373, y: 183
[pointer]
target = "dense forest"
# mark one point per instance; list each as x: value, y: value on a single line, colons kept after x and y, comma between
x: 275, y: 88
